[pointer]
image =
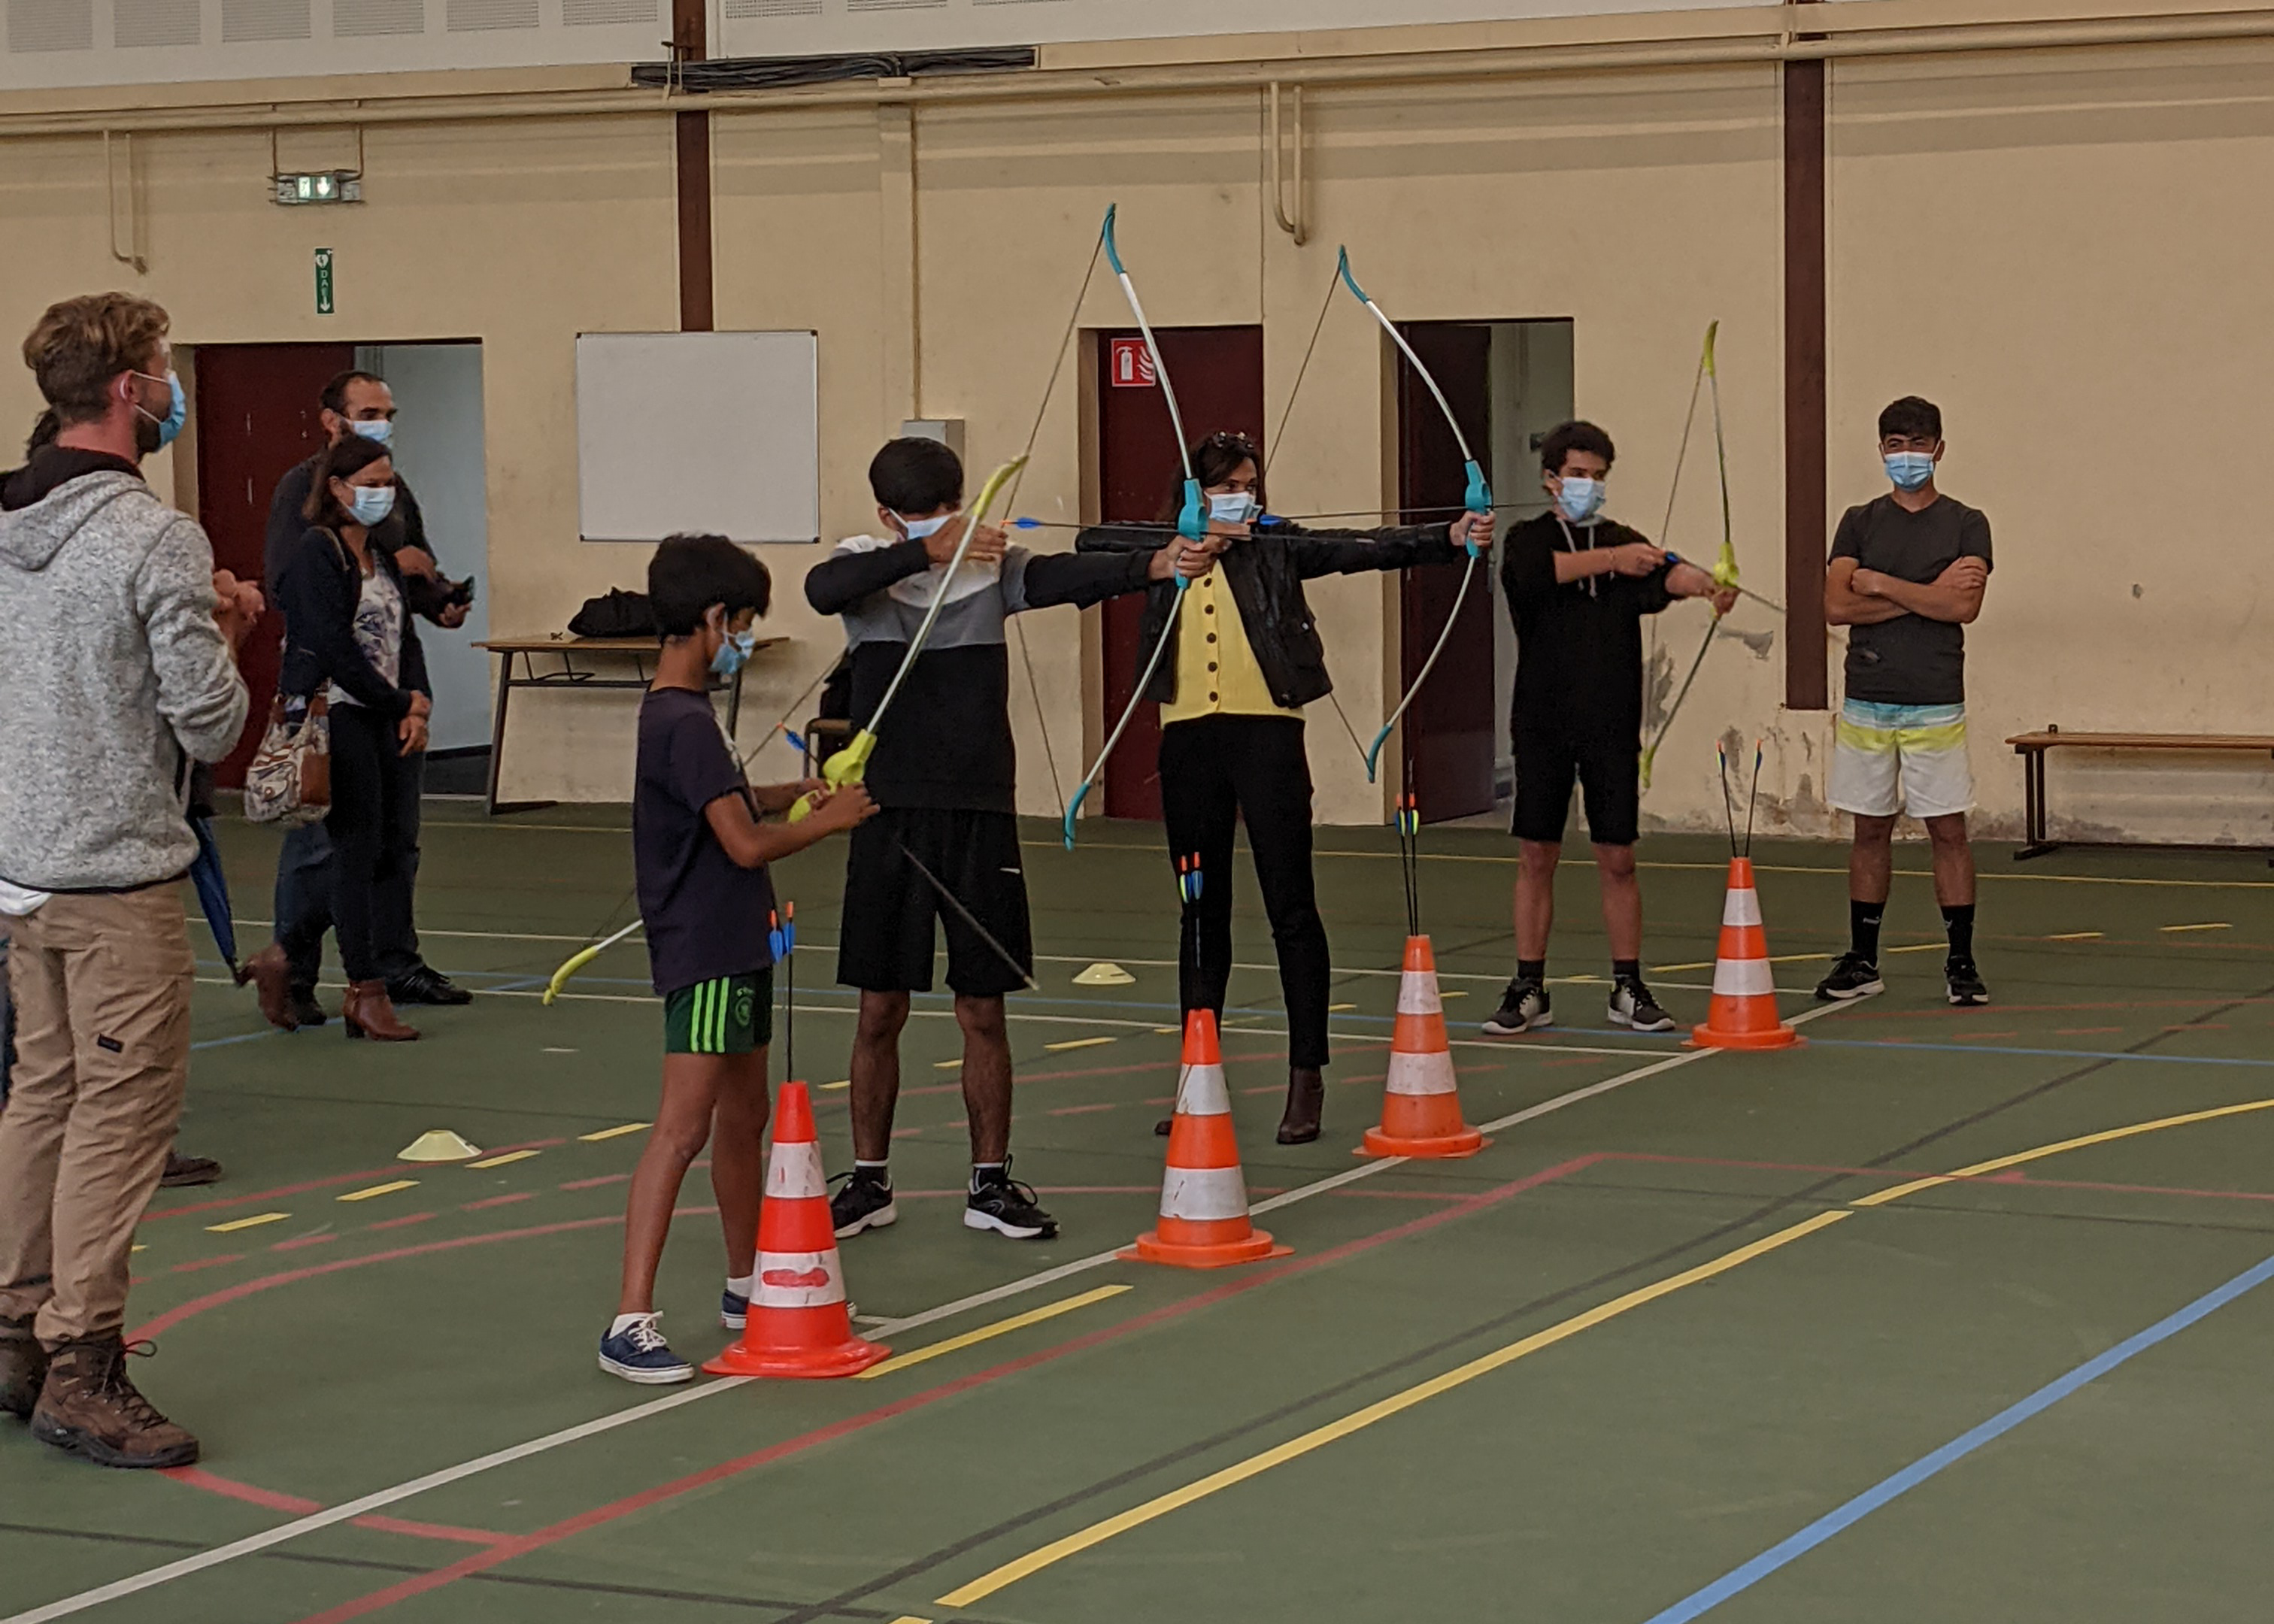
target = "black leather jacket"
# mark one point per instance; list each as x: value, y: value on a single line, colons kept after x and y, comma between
x: 1266, y: 572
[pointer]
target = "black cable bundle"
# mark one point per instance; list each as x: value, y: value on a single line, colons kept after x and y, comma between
x: 786, y: 72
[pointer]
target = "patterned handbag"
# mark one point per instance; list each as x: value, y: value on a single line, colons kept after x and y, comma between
x: 289, y: 779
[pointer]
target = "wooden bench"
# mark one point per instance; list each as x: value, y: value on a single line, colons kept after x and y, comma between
x: 2034, y: 748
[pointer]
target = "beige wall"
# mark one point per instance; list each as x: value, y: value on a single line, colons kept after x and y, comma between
x: 2057, y: 246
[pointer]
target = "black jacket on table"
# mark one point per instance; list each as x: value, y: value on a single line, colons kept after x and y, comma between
x: 405, y: 527
x: 946, y: 743
x: 1266, y: 572
x: 318, y: 592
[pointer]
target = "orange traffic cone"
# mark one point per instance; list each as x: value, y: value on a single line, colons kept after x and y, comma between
x: 1421, y: 1100
x: 1743, y: 1014
x: 1203, y: 1196
x: 798, y: 1324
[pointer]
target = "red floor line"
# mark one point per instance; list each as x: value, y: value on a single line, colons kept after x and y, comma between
x: 522, y: 1544
x: 305, y: 1240
x: 403, y: 1223
x: 282, y: 1190
x: 498, y: 1200
x: 214, y: 1483
x: 207, y: 1263
x: 2012, y: 1176
x: 594, y: 1183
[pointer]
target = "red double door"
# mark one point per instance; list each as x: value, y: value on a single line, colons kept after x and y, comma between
x: 1449, y: 732
x: 257, y: 418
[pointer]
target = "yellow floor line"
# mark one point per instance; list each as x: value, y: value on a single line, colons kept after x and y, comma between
x: 1009, y: 1572
x: 2079, y: 935
x: 378, y: 1190
x: 947, y: 1065
x: 611, y: 1134
x: 253, y: 1222
x: 1035, y: 1562
x: 2172, y: 931
x: 509, y: 1156
x: 845, y: 1083
x: 1075, y: 1043
x: 1332, y: 1008
x: 986, y: 1333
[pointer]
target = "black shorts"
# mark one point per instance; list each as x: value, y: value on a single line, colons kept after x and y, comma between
x: 1609, y: 771
x: 885, y: 942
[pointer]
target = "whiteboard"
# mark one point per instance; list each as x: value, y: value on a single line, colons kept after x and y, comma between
x: 711, y: 433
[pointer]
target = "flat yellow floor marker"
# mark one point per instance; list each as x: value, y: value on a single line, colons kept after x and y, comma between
x: 2077, y: 935
x: 253, y: 1222
x: 1035, y: 1562
x: 910, y: 1618
x: 1455, y: 992
x: 137, y: 1249
x: 1317, y: 1438
x: 2176, y: 929
x: 606, y: 1133
x: 509, y: 1156
x: 378, y: 1189
x: 828, y: 1087
x: 987, y: 1332
x: 947, y: 1065
x: 1075, y: 1043
x: 1168, y: 1032
x: 1916, y: 947
x: 1332, y: 1008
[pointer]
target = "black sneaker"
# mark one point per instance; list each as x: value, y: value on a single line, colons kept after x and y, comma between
x: 427, y: 985
x: 1631, y: 1005
x: 1966, y: 988
x: 1002, y: 1204
x: 1523, y: 1008
x: 183, y: 1172
x: 864, y: 1203
x: 1853, y: 977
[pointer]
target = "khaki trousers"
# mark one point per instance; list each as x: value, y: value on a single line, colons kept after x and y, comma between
x: 101, y: 985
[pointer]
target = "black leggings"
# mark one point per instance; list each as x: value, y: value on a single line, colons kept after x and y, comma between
x: 374, y: 846
x: 1216, y: 770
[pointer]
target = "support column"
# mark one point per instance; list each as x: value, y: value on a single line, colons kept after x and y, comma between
x: 1806, y: 681
x: 896, y: 260
x: 691, y: 144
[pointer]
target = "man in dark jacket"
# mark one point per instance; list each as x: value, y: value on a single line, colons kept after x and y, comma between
x: 359, y: 403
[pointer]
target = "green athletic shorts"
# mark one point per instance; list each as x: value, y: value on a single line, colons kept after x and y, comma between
x: 734, y: 1015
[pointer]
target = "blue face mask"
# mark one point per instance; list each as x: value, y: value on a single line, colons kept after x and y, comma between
x: 381, y: 430
x: 1234, y: 507
x: 923, y: 529
x: 1579, y: 499
x: 372, y: 503
x: 734, y: 652
x: 1909, y: 469
x: 170, y: 427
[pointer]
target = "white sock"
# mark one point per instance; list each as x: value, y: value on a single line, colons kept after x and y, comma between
x: 624, y: 1322
x: 742, y: 1288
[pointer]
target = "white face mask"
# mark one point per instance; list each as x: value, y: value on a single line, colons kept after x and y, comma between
x: 372, y: 503
x: 1234, y: 507
x: 1579, y: 497
x: 380, y: 429
x: 923, y: 529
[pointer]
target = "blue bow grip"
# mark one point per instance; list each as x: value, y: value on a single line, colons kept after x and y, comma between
x: 1191, y: 524
x: 1479, y: 498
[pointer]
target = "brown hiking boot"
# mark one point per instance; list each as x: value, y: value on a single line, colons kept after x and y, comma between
x: 23, y: 1368
x: 271, y: 975
x: 369, y: 1013
x: 90, y: 1408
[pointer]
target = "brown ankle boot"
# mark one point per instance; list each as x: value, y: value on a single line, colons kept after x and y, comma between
x: 23, y: 1368
x: 369, y: 1013
x: 271, y: 975
x: 88, y: 1407
x: 1306, y: 1102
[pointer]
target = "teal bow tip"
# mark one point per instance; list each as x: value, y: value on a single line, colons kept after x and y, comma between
x: 1480, y: 497
x: 1342, y: 270
x: 1112, y: 249
x: 1074, y: 811
x: 1374, y: 751
x: 1191, y: 524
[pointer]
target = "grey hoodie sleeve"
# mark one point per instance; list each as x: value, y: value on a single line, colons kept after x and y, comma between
x: 200, y: 695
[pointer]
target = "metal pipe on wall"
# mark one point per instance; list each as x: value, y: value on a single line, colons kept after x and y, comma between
x: 1766, y: 46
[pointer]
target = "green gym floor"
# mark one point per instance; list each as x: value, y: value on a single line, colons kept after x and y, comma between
x: 1697, y: 1333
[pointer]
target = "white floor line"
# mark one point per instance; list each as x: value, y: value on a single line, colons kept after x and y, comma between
x: 379, y: 1499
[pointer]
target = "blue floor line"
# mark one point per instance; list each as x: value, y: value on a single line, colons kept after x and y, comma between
x: 1741, y: 1579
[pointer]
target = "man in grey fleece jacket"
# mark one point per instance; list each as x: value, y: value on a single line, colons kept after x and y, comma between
x: 117, y: 670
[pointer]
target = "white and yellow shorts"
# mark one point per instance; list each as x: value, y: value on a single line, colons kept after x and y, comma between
x: 1887, y: 759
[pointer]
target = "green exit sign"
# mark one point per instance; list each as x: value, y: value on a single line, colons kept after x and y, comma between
x: 323, y: 282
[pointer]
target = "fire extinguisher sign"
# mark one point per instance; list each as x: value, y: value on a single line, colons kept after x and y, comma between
x: 1133, y: 364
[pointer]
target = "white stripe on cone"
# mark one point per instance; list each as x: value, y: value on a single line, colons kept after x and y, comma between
x: 793, y: 1172
x: 1742, y: 908
x: 799, y: 1280
x: 1417, y: 993
x: 1202, y: 1092
x: 1743, y: 978
x: 1420, y: 1074
x: 1203, y: 1194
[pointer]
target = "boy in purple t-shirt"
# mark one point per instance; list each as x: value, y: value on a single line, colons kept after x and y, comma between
x: 700, y: 855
